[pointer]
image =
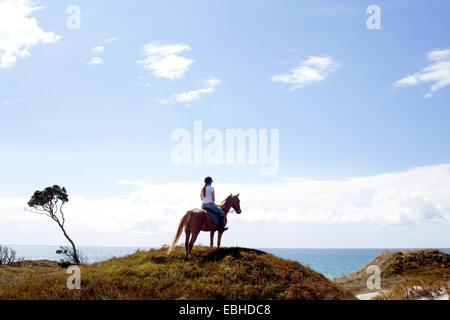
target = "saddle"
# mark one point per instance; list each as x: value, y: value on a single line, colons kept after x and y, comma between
x: 212, y: 216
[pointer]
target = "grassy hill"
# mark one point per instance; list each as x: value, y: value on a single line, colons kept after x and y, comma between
x: 403, y: 269
x: 226, y: 273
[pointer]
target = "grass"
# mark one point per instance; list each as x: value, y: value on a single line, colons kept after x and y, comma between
x: 13, y: 275
x: 226, y: 273
x: 402, y: 269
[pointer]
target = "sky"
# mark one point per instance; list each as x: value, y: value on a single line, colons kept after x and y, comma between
x: 97, y: 96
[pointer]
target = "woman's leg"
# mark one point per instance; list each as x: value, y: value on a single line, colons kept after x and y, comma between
x: 217, y: 210
x: 221, y: 215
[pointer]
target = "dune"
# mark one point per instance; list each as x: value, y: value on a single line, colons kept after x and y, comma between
x: 407, y: 274
x: 226, y: 273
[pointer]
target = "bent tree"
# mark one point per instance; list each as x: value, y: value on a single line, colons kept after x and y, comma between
x: 49, y: 202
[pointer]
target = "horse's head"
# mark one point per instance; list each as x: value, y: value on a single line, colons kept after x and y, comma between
x: 235, y: 203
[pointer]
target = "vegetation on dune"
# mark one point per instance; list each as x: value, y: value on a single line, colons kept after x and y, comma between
x: 226, y: 273
x: 9, y: 257
x: 19, y: 273
x: 401, y: 270
x: 416, y: 289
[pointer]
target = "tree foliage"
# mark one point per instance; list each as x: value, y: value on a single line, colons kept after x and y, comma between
x: 50, y: 201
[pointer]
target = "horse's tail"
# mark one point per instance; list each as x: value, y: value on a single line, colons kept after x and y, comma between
x: 183, y: 223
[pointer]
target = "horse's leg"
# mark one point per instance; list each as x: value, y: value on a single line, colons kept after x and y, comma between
x: 191, y: 243
x: 219, y: 238
x: 186, y: 243
x: 211, y: 243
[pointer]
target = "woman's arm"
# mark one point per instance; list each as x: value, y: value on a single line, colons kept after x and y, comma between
x: 213, y: 197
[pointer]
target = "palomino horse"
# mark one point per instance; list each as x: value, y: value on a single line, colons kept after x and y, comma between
x: 197, y: 220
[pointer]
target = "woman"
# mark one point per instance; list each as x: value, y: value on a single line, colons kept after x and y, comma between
x: 208, y: 198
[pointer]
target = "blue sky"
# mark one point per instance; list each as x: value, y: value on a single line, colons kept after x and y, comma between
x: 65, y: 121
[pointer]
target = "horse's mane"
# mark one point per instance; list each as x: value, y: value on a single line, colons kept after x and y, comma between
x: 222, y: 204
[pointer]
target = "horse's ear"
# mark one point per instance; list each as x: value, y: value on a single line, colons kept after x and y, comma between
x: 238, y: 194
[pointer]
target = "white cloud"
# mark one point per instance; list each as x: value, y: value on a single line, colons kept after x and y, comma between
x: 164, y: 60
x: 212, y: 82
x: 437, y: 73
x: 19, y: 32
x: 110, y: 40
x: 314, y: 69
x: 165, y: 101
x: 96, y: 60
x: 98, y: 49
x: 416, y: 196
x: 189, y: 96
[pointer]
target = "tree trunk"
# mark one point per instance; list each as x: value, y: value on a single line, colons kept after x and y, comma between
x: 75, y: 255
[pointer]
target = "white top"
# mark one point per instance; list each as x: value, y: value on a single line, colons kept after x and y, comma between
x: 208, y: 194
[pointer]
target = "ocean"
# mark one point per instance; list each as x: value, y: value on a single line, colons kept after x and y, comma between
x: 330, y: 262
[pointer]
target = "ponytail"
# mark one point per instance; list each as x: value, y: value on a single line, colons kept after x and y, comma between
x: 204, y: 191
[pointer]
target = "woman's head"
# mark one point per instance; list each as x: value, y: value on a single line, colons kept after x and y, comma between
x: 208, y: 180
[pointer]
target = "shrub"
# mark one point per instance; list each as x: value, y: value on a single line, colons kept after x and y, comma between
x: 68, y: 255
x: 9, y: 257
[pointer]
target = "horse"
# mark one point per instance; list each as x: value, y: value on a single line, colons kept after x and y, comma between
x: 197, y: 220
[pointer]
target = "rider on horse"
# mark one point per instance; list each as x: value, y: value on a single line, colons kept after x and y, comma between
x: 196, y: 220
x: 208, y: 198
